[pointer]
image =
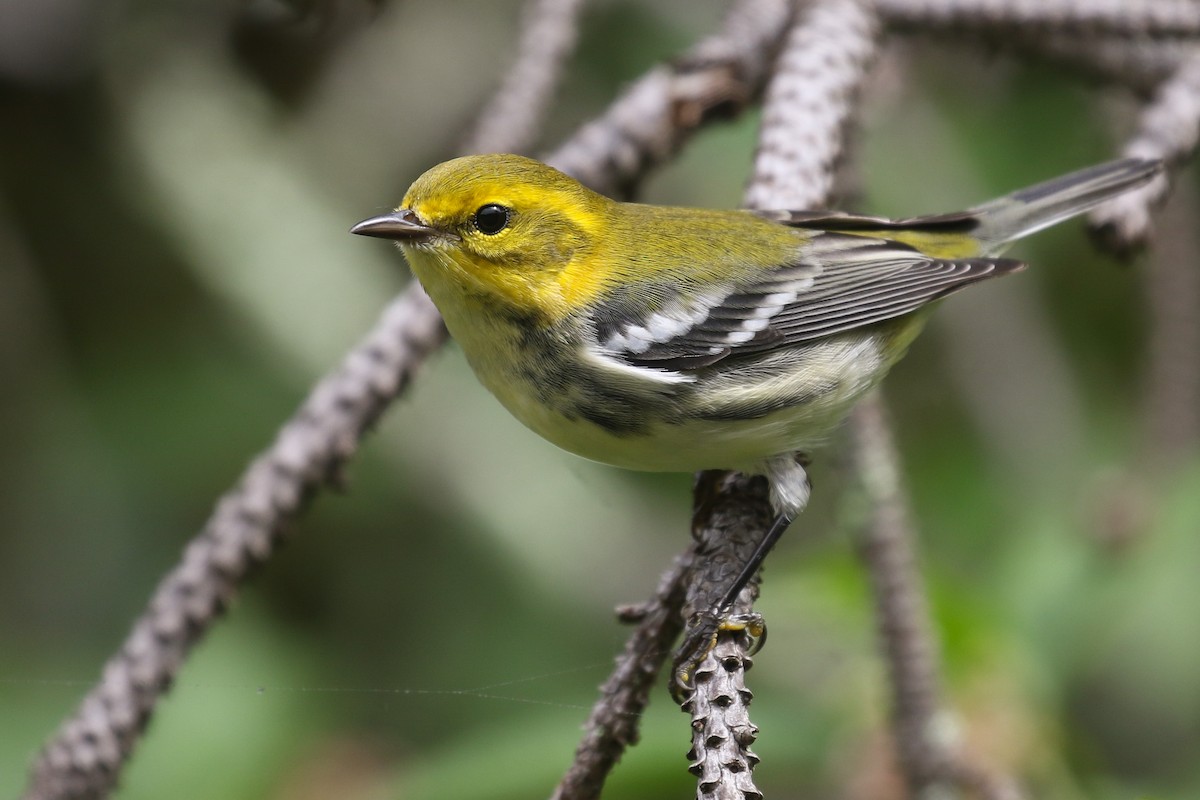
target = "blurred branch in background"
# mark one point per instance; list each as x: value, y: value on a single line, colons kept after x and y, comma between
x: 1168, y: 438
x: 85, y: 757
x: 714, y: 80
x: 1018, y: 18
x: 1171, y: 284
x: 1168, y: 128
x: 1148, y: 46
x: 511, y: 120
x: 1142, y: 65
x: 613, y: 724
x: 925, y: 732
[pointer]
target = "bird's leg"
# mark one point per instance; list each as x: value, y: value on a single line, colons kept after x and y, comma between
x: 781, y: 523
x: 703, y: 627
x: 789, y: 494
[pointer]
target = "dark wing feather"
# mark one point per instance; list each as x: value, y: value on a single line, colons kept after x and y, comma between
x: 954, y: 222
x: 845, y: 282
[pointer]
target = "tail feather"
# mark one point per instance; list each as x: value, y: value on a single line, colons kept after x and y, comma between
x: 1029, y: 210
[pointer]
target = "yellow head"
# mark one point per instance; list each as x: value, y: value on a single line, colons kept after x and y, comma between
x: 500, y: 226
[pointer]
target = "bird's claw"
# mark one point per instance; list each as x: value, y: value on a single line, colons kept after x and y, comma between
x: 701, y: 638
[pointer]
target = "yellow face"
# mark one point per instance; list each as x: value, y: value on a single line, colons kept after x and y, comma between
x: 506, y: 225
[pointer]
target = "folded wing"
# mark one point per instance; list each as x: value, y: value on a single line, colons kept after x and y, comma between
x: 842, y: 282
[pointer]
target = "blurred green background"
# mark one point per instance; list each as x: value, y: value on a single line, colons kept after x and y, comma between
x: 176, y: 181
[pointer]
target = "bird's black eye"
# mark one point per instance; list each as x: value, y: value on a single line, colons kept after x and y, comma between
x: 491, y: 219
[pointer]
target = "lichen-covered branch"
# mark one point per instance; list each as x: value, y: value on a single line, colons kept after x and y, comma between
x: 809, y: 104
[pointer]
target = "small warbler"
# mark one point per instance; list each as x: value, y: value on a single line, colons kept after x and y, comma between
x: 679, y: 339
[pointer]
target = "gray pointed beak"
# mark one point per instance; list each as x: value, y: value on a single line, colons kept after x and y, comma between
x: 401, y: 225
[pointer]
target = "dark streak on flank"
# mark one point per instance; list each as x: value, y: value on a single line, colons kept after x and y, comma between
x: 761, y: 408
x: 574, y: 391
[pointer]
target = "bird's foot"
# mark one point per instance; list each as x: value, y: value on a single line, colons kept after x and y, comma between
x: 701, y: 637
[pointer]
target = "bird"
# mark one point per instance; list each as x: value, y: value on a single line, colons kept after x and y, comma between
x: 680, y: 339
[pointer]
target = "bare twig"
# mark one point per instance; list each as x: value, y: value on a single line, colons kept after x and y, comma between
x: 930, y: 757
x: 85, y: 757
x: 1137, y: 63
x: 645, y: 126
x: 900, y: 608
x: 1168, y: 128
x: 1087, y: 17
x: 808, y: 106
x: 613, y: 723
x: 549, y: 29
x: 1172, y: 288
x: 1124, y: 507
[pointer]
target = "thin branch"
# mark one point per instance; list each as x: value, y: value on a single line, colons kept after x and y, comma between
x: 1168, y: 128
x: 1086, y: 17
x: 1137, y: 63
x: 1172, y: 289
x: 646, y: 125
x: 612, y: 725
x: 929, y: 754
x: 808, y: 106
x: 85, y: 757
x: 549, y: 30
